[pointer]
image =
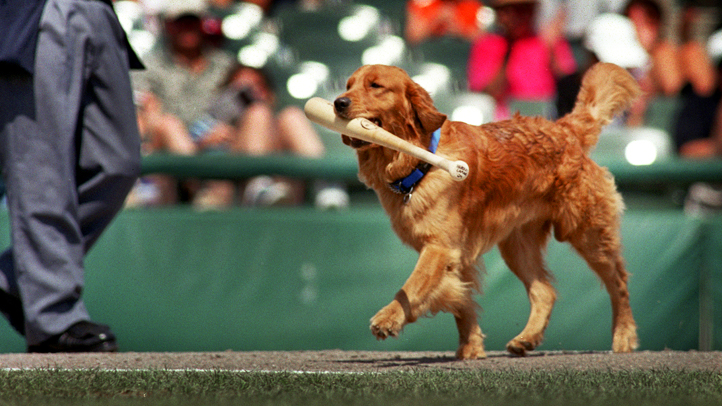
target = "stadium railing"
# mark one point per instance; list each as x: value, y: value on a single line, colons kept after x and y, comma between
x: 344, y: 167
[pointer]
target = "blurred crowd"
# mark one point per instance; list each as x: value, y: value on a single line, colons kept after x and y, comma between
x: 195, y: 97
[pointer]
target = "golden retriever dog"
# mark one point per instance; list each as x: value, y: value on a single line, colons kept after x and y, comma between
x: 528, y: 177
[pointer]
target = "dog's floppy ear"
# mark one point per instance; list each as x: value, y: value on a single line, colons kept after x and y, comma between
x: 425, y: 113
x: 422, y: 120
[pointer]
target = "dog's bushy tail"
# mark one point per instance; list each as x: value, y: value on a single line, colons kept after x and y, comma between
x: 606, y: 91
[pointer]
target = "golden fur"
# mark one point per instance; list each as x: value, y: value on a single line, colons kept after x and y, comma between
x: 528, y: 177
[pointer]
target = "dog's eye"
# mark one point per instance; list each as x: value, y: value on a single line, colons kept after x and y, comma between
x: 375, y: 85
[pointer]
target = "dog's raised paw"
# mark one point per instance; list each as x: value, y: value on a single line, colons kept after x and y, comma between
x: 383, y: 328
x: 388, y: 322
x: 383, y: 332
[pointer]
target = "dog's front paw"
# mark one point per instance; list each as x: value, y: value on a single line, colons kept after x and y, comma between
x: 388, y: 322
x: 520, y: 345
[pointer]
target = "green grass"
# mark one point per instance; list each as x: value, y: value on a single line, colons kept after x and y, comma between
x: 161, y: 387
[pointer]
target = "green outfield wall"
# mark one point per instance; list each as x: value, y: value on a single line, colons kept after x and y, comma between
x: 174, y: 279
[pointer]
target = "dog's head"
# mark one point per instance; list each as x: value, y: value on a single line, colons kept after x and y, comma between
x: 388, y: 97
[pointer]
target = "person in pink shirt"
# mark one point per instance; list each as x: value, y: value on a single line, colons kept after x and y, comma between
x: 518, y: 63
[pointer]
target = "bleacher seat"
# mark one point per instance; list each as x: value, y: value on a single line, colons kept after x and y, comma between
x: 638, y: 145
x: 662, y: 113
x: 470, y: 107
x: 450, y: 52
x: 315, y: 35
x: 533, y: 108
x: 334, y: 37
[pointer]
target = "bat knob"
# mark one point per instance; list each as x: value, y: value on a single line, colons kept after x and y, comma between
x: 459, y: 170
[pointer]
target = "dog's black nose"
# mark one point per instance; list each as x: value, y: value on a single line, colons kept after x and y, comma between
x: 341, y: 104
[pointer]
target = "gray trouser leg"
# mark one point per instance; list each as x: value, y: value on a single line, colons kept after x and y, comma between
x: 70, y: 154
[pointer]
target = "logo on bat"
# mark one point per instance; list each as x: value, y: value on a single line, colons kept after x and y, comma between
x: 367, y: 125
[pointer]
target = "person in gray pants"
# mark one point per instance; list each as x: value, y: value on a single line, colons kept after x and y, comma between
x: 69, y: 152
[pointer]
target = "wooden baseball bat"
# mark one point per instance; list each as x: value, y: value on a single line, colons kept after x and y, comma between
x: 321, y: 112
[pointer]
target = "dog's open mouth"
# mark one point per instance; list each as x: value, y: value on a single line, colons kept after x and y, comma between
x: 355, y: 142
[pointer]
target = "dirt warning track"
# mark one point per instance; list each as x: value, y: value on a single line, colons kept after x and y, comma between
x: 337, y: 361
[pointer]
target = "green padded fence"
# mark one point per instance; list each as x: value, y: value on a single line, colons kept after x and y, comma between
x: 173, y: 279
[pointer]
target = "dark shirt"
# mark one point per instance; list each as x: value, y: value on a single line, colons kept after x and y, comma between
x: 19, y: 25
x: 19, y: 21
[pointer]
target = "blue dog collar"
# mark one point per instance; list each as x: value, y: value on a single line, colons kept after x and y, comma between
x: 406, y: 185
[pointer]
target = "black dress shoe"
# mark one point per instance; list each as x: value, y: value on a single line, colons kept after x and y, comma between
x: 83, y: 336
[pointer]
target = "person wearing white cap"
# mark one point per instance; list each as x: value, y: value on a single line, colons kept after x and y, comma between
x: 179, y: 85
x: 181, y: 77
x: 664, y: 74
x: 611, y: 38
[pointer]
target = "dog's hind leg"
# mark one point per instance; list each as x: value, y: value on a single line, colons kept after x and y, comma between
x: 471, y: 340
x: 594, y: 234
x: 601, y: 247
x: 523, y: 252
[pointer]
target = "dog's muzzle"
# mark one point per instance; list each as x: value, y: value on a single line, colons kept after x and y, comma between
x: 341, y: 105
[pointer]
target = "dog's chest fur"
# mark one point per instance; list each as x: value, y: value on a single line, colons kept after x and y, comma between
x: 408, y: 213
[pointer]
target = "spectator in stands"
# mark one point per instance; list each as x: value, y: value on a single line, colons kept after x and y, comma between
x: 700, y: 95
x: 181, y: 79
x: 427, y: 19
x: 610, y: 37
x: 194, y: 99
x: 222, y: 5
x: 574, y: 16
x: 178, y: 87
x: 570, y: 19
x: 663, y: 76
x: 692, y: 142
x: 518, y: 63
x: 259, y: 129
